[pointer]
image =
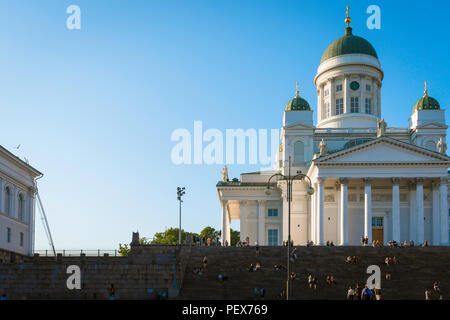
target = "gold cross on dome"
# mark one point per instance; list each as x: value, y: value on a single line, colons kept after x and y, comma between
x: 297, y: 92
x: 348, y: 19
x: 426, y: 91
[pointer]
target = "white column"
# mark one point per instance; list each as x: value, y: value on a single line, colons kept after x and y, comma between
x: 374, y: 97
x: 285, y: 218
x: 412, y: 211
x: 362, y: 105
x: 313, y: 218
x: 30, y: 219
x: 436, y: 228
x: 444, y: 211
x: 320, y: 104
x: 2, y: 196
x: 396, y: 210
x: 243, y: 219
x: 225, y: 222
x: 13, y: 202
x: 368, y: 209
x: 320, y: 210
x: 346, y: 94
x: 343, y: 233
x: 337, y: 195
x: 420, y: 214
x: 332, y: 97
x: 262, y: 222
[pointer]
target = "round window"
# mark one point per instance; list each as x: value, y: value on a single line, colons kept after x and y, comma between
x: 354, y: 85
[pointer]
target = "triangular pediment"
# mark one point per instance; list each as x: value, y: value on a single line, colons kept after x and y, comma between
x: 432, y: 125
x: 298, y: 125
x: 384, y: 151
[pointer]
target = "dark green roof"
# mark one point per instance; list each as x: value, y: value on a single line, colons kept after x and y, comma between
x: 298, y: 104
x: 426, y: 103
x: 348, y: 44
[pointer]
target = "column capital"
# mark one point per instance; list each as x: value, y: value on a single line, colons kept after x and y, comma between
x: 242, y: 202
x: 367, y: 181
x: 419, y: 180
x: 435, y: 183
x: 262, y: 201
x: 395, y: 180
x: 443, y: 180
x: 223, y: 202
x: 32, y: 191
x: 343, y: 180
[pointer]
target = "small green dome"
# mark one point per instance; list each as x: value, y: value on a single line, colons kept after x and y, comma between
x: 298, y: 104
x: 426, y: 103
x: 348, y: 44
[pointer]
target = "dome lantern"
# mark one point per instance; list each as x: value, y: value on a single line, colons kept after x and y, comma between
x: 426, y: 102
x: 298, y: 103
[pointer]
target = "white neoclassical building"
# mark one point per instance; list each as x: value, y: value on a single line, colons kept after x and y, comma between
x: 17, y: 203
x: 386, y: 183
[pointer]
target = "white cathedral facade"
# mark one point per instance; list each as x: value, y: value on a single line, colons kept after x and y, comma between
x: 384, y: 183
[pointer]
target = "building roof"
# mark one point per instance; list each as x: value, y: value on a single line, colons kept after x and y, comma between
x: 426, y: 103
x: 20, y: 161
x: 348, y: 44
x: 298, y: 104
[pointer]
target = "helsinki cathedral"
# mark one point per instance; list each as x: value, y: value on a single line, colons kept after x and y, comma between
x: 363, y: 177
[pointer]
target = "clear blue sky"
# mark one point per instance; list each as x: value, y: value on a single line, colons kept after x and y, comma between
x: 93, y: 109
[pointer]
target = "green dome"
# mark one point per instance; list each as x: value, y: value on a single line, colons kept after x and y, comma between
x: 298, y: 104
x: 426, y: 103
x: 348, y: 44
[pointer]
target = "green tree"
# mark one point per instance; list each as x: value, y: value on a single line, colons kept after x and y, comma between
x: 210, y: 232
x: 124, y: 249
x: 170, y: 236
x: 234, y: 237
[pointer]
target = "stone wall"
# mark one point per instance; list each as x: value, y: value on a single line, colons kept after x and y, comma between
x: 146, y: 272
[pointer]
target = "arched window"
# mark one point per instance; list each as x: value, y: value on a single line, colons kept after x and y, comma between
x: 8, y: 201
x: 430, y: 145
x: 299, y: 148
x: 21, y: 208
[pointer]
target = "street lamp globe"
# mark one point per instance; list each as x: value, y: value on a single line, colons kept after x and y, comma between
x: 310, y: 191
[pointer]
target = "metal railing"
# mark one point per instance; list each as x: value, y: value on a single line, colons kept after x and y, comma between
x: 77, y: 253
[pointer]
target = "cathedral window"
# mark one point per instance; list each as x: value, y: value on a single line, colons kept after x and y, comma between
x: 21, y: 239
x: 273, y: 237
x: 273, y: 213
x: 339, y: 88
x: 339, y: 106
x: 299, y: 152
x: 8, y: 235
x: 368, y: 88
x: 368, y: 106
x: 430, y: 145
x: 327, y: 110
x: 21, y: 208
x: 354, y: 105
x: 8, y: 201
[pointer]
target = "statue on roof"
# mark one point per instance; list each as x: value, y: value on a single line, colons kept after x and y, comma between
x: 225, y: 174
x: 442, y: 146
x: 381, y: 127
x: 322, y: 147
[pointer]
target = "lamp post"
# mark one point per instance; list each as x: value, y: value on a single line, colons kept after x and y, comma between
x: 180, y: 193
x: 289, y: 180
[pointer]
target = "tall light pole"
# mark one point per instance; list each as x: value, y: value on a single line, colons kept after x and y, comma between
x: 180, y: 193
x: 289, y: 180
